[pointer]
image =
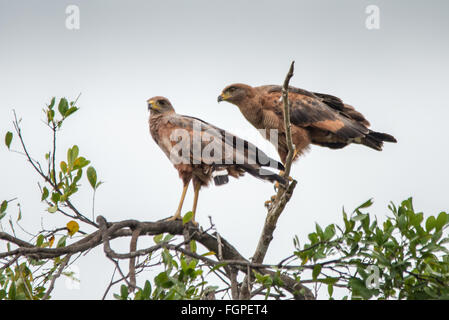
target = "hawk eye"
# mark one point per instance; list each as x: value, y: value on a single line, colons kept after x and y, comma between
x: 162, y: 102
x: 231, y: 89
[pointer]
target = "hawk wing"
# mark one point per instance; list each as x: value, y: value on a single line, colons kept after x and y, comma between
x: 323, y: 114
x: 312, y: 111
x: 331, y: 101
x: 192, y: 141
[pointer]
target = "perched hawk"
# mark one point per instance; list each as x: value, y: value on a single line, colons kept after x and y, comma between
x: 201, y: 151
x: 316, y: 118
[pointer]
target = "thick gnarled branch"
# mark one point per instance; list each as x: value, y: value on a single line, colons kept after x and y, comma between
x: 113, y: 230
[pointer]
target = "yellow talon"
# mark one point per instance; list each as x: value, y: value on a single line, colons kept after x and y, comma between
x: 268, y: 203
x: 277, y: 184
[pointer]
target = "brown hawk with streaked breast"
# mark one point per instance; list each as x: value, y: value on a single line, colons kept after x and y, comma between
x: 316, y: 118
x: 202, y: 152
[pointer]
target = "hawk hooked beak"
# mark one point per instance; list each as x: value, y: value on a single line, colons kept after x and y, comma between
x: 152, y: 105
x: 223, y: 97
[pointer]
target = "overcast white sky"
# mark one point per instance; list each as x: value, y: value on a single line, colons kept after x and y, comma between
x: 126, y: 52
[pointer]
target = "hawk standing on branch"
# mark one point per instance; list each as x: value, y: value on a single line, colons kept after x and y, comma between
x: 201, y: 151
x: 316, y: 118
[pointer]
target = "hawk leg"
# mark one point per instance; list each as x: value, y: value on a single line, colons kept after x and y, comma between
x: 281, y: 173
x: 177, y: 215
x: 268, y: 203
x: 197, y: 187
x: 276, y: 184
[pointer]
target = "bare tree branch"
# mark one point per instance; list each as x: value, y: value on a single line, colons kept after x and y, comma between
x: 283, y: 195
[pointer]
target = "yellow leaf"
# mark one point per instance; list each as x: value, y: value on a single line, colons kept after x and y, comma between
x: 50, y: 242
x: 72, y: 227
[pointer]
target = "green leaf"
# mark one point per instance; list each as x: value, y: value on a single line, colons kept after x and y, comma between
x: 146, y: 292
x: 330, y: 289
x: 40, y: 240
x: 78, y: 176
x: 416, y: 219
x: 61, y: 242
x: 45, y: 194
x: 329, y: 232
x: 63, y: 166
x: 430, y: 223
x: 52, y: 103
x: 359, y: 217
x: 12, y: 291
x: 402, y: 222
x: 359, y: 289
x: 365, y: 205
x: 441, y: 220
x: 75, y: 152
x: 316, y: 271
x: 80, y: 162
x: 187, y: 217
x: 162, y: 280
x: 8, y: 139
x: 3, y: 206
x: 124, y: 292
x: 92, y: 177
x: 63, y: 106
x: 70, y: 111
x: 55, y: 197
x: 50, y: 115
x: 193, y: 246
x: 157, y: 238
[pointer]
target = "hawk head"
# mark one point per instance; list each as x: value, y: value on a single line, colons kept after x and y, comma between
x: 236, y: 93
x: 159, y: 105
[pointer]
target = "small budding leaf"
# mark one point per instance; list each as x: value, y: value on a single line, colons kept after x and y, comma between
x: 8, y: 139
x: 52, y: 209
x: 193, y: 246
x: 3, y: 207
x: 72, y: 227
x: 92, y: 177
x: 52, y: 103
x: 187, y: 217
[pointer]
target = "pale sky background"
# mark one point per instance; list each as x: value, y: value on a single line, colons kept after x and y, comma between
x: 126, y: 52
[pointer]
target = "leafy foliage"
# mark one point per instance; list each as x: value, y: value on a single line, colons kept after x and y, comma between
x: 405, y: 257
x: 181, y: 279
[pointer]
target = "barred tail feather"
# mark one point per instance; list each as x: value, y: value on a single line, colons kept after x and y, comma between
x: 375, y: 140
x: 265, y: 174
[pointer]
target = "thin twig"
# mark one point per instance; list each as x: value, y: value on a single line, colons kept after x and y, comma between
x: 53, y: 280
